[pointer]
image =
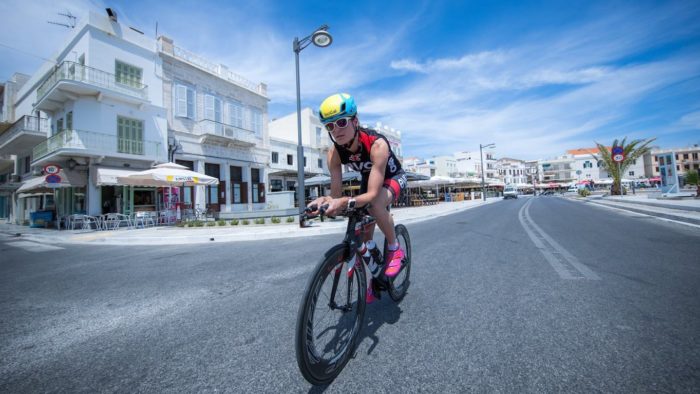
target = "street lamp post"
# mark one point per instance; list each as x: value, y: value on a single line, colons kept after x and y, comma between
x: 481, y: 156
x: 320, y: 38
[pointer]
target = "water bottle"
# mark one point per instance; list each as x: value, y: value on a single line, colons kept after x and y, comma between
x: 375, y: 264
x: 364, y: 252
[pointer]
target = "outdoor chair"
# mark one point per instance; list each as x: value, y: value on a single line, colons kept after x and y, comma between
x: 143, y: 218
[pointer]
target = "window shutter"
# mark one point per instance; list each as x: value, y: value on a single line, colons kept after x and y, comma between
x: 190, y: 103
x: 181, y: 100
x: 209, y: 107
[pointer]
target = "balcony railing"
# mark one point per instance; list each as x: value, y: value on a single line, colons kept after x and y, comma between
x: 26, y: 123
x: 70, y: 71
x: 98, y: 144
x: 218, y: 70
x: 224, y: 130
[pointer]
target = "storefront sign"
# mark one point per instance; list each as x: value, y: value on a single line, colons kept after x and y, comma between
x: 51, y: 169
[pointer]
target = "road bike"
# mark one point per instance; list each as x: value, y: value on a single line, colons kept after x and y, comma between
x: 331, y: 313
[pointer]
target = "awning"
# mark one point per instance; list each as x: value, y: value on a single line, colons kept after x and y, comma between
x: 39, y: 184
x: 108, y: 176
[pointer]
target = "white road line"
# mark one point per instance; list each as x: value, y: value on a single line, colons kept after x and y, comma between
x: 557, y: 257
x: 33, y: 246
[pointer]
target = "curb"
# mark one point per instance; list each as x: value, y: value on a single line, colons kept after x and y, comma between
x: 173, y: 238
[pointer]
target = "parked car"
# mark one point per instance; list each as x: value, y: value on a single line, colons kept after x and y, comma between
x: 510, y: 192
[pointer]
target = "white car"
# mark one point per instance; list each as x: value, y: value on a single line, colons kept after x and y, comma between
x: 510, y: 192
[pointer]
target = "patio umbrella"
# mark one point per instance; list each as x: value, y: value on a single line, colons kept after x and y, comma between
x: 167, y: 175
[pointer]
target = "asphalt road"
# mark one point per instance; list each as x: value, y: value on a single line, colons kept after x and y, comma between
x: 529, y: 295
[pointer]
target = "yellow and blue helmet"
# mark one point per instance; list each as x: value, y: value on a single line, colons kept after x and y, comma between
x: 337, y: 106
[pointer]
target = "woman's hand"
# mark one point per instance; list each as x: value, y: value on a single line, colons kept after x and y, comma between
x: 316, y: 204
x: 336, y: 206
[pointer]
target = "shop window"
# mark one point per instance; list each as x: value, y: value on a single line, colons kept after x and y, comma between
x: 258, y: 187
x: 212, y: 191
x: 239, y: 189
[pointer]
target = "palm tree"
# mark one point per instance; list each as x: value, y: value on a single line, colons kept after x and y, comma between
x: 692, y: 178
x: 632, y: 151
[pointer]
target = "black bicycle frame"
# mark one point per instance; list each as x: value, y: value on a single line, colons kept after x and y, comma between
x: 354, y: 236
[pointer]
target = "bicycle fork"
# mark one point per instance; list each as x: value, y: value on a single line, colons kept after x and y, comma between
x: 336, y: 279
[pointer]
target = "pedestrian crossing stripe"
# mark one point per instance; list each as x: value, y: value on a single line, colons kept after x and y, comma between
x: 33, y: 246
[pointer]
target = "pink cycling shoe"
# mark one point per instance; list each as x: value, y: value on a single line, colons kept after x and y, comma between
x: 394, y: 258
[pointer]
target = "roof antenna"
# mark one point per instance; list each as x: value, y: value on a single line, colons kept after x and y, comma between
x: 70, y: 20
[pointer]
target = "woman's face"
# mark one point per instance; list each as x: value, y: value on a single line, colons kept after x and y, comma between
x: 344, y: 135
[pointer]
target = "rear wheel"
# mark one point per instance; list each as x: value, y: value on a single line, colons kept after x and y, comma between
x: 398, y: 285
x: 330, y: 316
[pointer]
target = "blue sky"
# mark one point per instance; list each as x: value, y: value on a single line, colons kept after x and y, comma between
x: 536, y: 78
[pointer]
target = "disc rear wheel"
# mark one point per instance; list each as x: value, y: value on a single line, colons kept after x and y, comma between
x: 398, y: 285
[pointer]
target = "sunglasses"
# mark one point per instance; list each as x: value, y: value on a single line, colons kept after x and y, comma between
x: 340, y: 123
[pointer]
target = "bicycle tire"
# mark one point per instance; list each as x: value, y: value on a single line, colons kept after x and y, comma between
x: 398, y: 285
x: 316, y: 369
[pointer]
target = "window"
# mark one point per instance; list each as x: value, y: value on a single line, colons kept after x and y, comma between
x: 275, y: 157
x: 656, y: 169
x: 631, y: 173
x: 212, y: 108
x: 212, y: 191
x: 27, y: 164
x: 290, y: 159
x: 258, y: 187
x: 235, y: 114
x: 129, y: 136
x: 59, y: 125
x: 239, y: 189
x: 276, y: 185
x: 320, y: 163
x: 184, y: 101
x: 685, y: 156
x: 686, y: 166
x: 127, y: 74
x: 256, y: 121
x: 695, y: 156
x: 318, y: 136
x: 69, y: 120
x: 304, y: 161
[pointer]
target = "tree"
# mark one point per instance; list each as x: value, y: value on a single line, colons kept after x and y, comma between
x: 692, y: 178
x: 632, y: 151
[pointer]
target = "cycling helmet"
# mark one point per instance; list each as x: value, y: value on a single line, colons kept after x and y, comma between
x: 337, y: 106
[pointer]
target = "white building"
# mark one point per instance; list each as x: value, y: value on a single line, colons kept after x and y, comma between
x: 512, y: 171
x: 97, y: 104
x: 444, y: 166
x: 469, y: 164
x: 419, y: 166
x: 392, y: 135
x: 217, y: 125
x: 284, y: 137
x: 585, y: 167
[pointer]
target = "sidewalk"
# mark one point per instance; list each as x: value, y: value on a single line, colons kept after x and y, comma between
x: 682, y: 210
x: 193, y: 235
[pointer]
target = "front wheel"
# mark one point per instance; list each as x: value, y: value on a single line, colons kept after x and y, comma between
x: 399, y: 284
x: 330, y: 315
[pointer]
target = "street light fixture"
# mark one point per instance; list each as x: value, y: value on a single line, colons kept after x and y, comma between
x: 481, y: 156
x: 321, y: 38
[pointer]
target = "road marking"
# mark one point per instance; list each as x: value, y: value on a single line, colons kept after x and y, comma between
x: 559, y: 258
x: 33, y: 246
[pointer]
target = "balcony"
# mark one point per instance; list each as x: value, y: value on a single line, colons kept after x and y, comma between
x: 221, y: 133
x: 23, y: 135
x: 90, y: 144
x: 69, y: 80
